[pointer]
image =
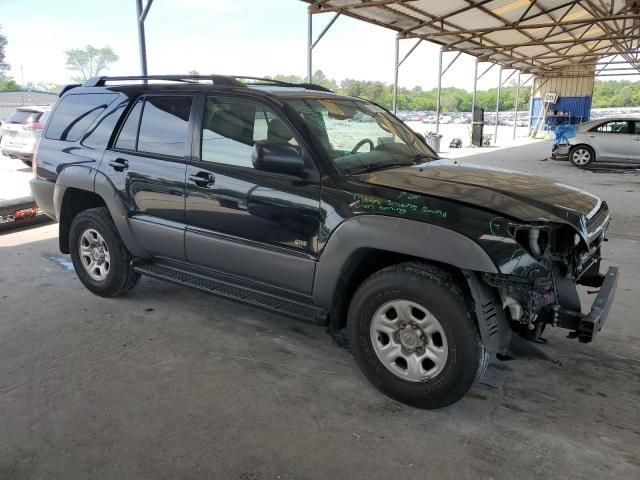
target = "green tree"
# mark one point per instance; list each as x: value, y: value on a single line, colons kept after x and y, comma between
x: 4, y: 66
x: 7, y: 83
x: 90, y: 61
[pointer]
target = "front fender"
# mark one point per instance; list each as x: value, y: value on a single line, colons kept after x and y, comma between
x: 398, y: 235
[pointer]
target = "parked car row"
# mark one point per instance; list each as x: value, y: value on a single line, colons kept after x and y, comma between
x: 19, y: 134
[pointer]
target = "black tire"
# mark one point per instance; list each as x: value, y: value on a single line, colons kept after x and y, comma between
x: 582, y: 156
x: 27, y: 162
x: 121, y: 277
x: 438, y: 292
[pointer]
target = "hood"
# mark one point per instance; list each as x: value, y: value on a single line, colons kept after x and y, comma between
x: 517, y: 195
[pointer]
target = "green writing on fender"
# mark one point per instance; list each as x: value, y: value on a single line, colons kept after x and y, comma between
x: 366, y: 202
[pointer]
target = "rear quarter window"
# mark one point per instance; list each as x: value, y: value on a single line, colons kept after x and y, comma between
x: 74, y: 114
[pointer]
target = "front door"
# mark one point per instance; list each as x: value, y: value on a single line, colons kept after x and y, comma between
x: 634, y: 151
x: 612, y: 140
x: 147, y: 166
x: 242, y: 221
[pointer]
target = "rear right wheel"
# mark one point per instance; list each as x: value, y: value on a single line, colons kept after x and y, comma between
x: 582, y: 156
x: 99, y: 257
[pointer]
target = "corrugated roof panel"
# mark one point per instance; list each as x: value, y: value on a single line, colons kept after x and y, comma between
x: 475, y: 19
x: 507, y: 37
x: 475, y: 24
x: 439, y: 8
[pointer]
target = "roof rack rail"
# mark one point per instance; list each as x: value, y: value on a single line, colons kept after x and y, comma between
x: 267, y: 81
x: 215, y: 79
x: 224, y: 80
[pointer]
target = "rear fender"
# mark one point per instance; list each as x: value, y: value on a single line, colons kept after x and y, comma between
x: 89, y: 179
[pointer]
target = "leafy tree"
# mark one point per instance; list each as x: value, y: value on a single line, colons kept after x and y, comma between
x: 319, y: 78
x: 3, y: 65
x: 90, y: 61
x: 8, y: 84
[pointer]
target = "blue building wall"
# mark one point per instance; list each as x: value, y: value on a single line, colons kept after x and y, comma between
x: 578, y: 107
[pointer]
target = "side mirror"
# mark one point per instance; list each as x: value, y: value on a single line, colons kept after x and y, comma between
x: 277, y: 158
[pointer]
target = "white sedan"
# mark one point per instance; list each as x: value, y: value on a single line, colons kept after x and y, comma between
x: 607, y: 140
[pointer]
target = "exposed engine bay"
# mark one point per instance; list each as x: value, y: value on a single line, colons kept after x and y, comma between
x: 534, y: 297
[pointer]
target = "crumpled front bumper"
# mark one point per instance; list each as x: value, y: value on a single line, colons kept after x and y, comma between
x: 585, y: 326
x: 560, y: 151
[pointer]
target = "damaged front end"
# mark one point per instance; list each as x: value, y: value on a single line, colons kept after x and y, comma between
x: 537, y: 283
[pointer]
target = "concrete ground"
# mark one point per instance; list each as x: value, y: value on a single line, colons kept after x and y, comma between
x: 170, y: 383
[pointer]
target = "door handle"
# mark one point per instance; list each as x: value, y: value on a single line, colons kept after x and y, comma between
x: 636, y: 139
x: 591, y: 136
x: 119, y: 164
x: 203, y: 179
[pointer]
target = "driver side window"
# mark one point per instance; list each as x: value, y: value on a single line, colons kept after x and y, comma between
x: 231, y: 127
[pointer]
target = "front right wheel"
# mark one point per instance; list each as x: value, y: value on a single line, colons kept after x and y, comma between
x: 582, y: 156
x: 414, y: 336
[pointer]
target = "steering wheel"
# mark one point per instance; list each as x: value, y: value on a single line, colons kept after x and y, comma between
x: 361, y: 143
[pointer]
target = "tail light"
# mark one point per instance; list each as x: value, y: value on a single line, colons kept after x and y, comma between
x: 33, y: 126
x: 34, y: 160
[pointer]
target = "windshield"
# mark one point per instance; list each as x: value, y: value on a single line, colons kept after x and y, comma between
x: 359, y: 136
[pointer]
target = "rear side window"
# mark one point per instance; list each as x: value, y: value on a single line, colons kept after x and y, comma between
x: 75, y: 114
x: 163, y: 128
x: 129, y: 132
x: 99, y: 134
x: 157, y: 126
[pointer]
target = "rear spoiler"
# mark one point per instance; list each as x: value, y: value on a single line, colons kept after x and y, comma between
x: 66, y: 88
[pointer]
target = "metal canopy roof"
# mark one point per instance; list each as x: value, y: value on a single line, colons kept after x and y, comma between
x: 544, y: 37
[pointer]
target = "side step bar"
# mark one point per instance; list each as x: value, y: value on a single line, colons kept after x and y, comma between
x: 232, y: 291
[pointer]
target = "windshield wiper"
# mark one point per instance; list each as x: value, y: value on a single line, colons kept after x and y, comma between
x: 377, y: 166
x: 422, y: 156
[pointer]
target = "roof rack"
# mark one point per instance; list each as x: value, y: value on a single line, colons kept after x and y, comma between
x: 223, y: 80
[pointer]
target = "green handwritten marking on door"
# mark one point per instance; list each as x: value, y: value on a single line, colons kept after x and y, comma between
x: 495, y: 224
x: 366, y: 202
x: 408, y: 196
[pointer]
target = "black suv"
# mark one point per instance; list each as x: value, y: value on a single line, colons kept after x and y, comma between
x: 322, y: 207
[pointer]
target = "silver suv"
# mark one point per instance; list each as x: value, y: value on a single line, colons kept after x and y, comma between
x: 20, y: 133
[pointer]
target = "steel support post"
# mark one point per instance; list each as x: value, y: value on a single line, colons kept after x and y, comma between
x: 495, y: 133
x: 515, y: 108
x: 475, y: 87
x: 142, y: 44
x: 395, y: 77
x: 311, y: 44
x: 309, y: 47
x: 438, y: 106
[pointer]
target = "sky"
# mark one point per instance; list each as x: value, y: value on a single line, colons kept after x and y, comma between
x: 240, y: 37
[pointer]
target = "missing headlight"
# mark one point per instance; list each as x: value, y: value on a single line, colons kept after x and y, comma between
x: 535, y: 240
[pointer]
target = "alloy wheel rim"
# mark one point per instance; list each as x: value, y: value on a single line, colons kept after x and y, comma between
x: 409, y: 340
x: 94, y: 254
x: 581, y: 156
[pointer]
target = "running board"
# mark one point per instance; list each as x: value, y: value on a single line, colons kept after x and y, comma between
x: 232, y: 291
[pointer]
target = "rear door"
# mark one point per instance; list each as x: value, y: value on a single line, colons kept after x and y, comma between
x: 611, y: 140
x: 147, y: 165
x: 254, y: 224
